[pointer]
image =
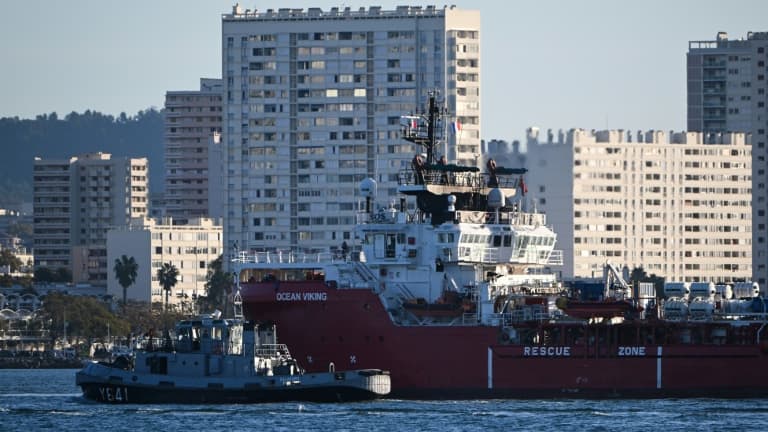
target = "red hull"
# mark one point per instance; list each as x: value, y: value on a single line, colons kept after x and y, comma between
x: 351, y: 329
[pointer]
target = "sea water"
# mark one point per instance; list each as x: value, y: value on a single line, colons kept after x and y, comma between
x: 40, y: 400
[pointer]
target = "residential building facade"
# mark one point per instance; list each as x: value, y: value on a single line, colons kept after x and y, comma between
x: 76, y: 201
x: 312, y: 106
x: 190, y: 248
x: 727, y: 93
x: 191, y: 118
x: 676, y: 204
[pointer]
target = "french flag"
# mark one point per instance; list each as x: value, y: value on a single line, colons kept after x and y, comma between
x: 456, y: 126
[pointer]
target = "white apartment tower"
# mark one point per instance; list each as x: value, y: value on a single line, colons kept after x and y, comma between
x: 76, y: 201
x: 678, y: 205
x: 727, y: 93
x: 191, y: 119
x: 312, y: 106
x: 190, y: 248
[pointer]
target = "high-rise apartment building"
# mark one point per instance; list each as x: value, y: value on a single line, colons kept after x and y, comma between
x: 727, y: 92
x: 191, y: 119
x: 678, y: 205
x: 153, y: 242
x: 76, y: 201
x: 312, y: 106
x: 51, y: 213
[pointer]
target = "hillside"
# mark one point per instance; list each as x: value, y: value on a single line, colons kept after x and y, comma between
x: 50, y: 137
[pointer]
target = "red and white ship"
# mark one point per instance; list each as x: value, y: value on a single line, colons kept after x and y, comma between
x: 456, y: 299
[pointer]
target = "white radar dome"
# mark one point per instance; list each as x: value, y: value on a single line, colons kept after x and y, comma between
x: 368, y: 187
x: 496, y: 198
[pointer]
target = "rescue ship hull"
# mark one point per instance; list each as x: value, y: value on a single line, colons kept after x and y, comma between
x: 350, y: 328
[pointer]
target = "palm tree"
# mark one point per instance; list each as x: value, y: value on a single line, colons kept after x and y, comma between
x: 167, y: 275
x: 125, y: 271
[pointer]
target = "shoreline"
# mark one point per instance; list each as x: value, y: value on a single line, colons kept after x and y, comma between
x: 39, y: 363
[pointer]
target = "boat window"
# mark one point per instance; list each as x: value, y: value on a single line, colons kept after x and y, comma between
x: 401, y: 238
x: 523, y: 242
x: 390, y: 246
x: 450, y: 238
x: 496, y: 241
x: 441, y: 238
x: 507, y: 240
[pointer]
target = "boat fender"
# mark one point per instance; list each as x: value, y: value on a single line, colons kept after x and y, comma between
x: 331, y: 367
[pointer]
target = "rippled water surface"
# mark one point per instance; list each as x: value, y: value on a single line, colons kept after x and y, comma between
x: 34, y: 400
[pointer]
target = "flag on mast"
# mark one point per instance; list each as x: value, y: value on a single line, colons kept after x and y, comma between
x: 456, y: 126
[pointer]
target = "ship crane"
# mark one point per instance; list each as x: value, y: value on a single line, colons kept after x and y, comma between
x: 614, y: 281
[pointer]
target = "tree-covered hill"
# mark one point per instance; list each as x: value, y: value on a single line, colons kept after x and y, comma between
x: 51, y: 137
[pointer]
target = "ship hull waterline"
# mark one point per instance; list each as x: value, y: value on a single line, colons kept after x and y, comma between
x: 134, y: 394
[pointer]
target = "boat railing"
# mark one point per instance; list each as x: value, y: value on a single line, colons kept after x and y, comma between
x: 517, y: 316
x: 286, y: 257
x: 453, y: 175
x: 271, y: 350
x: 478, y: 254
x: 555, y: 257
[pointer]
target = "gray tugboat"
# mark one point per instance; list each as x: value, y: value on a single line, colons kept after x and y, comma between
x: 213, y: 360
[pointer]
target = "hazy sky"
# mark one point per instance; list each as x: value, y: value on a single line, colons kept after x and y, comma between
x: 553, y: 64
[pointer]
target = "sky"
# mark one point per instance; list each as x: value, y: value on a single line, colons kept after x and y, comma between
x: 592, y: 64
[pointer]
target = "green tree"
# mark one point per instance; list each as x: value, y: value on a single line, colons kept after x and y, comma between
x: 167, y: 275
x: 217, y: 285
x: 83, y: 317
x: 126, y: 270
x: 63, y: 274
x: 44, y: 274
x: 7, y: 258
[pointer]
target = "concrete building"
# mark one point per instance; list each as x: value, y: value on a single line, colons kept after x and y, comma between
x: 217, y: 189
x: 191, y: 118
x: 190, y: 248
x: 312, y: 106
x: 678, y: 205
x: 727, y: 93
x: 52, y: 213
x: 76, y: 201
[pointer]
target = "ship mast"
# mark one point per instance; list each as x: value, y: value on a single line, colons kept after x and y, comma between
x: 429, y: 140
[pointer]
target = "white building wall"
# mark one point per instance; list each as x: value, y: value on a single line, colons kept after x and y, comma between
x: 191, y: 119
x: 190, y: 248
x: 77, y: 200
x: 312, y: 104
x: 677, y: 205
x: 728, y: 91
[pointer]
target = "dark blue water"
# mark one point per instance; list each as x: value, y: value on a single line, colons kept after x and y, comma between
x: 36, y: 400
